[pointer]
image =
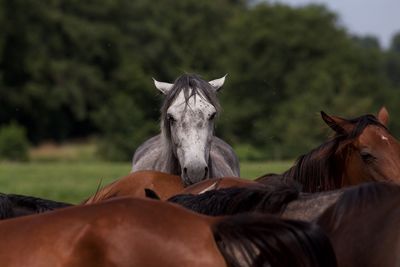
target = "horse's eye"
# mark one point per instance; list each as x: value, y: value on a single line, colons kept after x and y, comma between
x: 367, y: 157
x: 170, y: 118
x: 212, y: 116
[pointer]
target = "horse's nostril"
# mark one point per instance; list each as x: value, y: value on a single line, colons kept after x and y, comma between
x: 185, y: 170
x: 205, y: 172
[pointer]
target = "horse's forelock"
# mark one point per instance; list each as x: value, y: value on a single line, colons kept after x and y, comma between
x: 192, y: 85
x: 361, y: 123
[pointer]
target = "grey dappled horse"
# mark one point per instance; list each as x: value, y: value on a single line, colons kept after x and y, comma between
x: 186, y: 145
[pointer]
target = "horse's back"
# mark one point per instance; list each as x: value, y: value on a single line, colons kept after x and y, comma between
x: 266, y: 178
x: 355, y: 246
x: 134, y: 185
x: 160, y: 234
x: 166, y: 185
x: 121, y: 232
x: 360, y: 211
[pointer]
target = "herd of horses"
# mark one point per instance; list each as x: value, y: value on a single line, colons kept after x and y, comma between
x: 184, y: 203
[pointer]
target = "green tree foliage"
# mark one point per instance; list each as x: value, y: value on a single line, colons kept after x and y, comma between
x: 121, y: 132
x: 392, y: 70
x: 77, y: 68
x: 13, y: 143
x: 295, y: 63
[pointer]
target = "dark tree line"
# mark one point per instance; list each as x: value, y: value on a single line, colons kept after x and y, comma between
x: 73, y: 69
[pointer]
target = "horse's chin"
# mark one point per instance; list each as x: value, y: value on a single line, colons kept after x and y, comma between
x: 187, y: 181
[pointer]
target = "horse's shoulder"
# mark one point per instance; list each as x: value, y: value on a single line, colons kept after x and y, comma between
x: 147, y: 148
x: 224, y: 157
x: 220, y: 145
x: 147, y: 156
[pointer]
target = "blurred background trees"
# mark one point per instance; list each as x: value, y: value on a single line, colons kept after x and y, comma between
x: 77, y: 69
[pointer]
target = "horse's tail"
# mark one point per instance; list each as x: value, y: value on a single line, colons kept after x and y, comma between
x: 263, y: 240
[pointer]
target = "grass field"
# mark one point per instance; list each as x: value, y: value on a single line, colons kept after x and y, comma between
x: 73, y: 182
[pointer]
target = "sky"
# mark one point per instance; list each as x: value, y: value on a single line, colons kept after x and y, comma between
x: 380, y: 18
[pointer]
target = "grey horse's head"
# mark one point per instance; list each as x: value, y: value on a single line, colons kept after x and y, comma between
x: 188, y: 114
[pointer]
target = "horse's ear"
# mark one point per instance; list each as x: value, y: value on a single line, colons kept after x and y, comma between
x: 336, y: 123
x: 163, y: 87
x: 151, y: 194
x: 383, y: 116
x: 217, y: 83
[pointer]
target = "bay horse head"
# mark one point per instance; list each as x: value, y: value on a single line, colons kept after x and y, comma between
x: 369, y: 151
x: 361, y: 150
x: 187, y: 122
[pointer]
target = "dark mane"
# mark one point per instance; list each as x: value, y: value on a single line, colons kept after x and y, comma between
x: 36, y: 204
x: 192, y: 85
x: 5, y: 207
x: 18, y: 205
x: 265, y: 240
x: 228, y: 201
x: 319, y: 170
x: 356, y: 200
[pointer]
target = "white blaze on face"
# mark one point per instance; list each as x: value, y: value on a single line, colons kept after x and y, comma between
x: 191, y: 132
x: 384, y: 138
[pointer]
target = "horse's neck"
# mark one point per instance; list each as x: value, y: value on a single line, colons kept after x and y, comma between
x: 316, y: 171
x: 352, y: 172
x: 222, y: 161
x: 310, y: 206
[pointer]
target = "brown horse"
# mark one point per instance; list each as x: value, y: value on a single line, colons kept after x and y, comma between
x: 363, y: 226
x: 140, y: 232
x: 133, y: 185
x: 166, y: 185
x: 362, y: 221
x: 361, y: 150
